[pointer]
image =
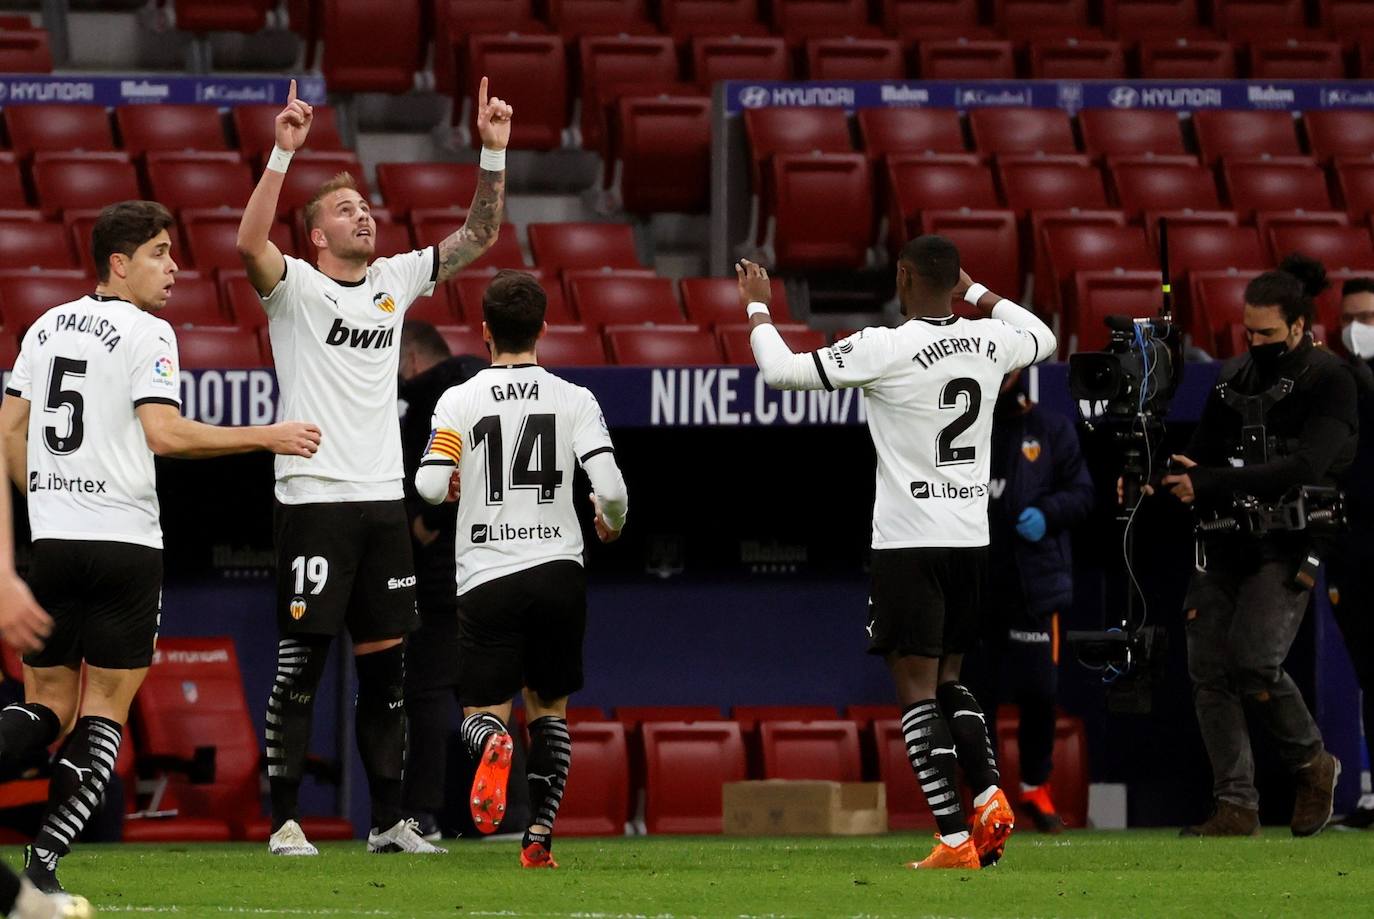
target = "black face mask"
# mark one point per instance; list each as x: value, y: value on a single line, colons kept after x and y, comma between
x: 1266, y: 357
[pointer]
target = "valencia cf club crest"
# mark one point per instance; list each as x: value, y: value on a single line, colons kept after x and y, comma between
x: 1030, y: 449
x: 190, y: 691
x: 384, y: 302
x: 1333, y: 593
x: 298, y: 608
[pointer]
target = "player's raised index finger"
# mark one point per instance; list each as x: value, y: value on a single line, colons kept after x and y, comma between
x: 291, y: 93
x: 482, y: 93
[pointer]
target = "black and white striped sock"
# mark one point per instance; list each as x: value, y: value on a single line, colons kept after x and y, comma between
x: 477, y: 728
x: 930, y: 748
x: 968, y: 726
x: 547, y: 769
x: 290, y: 711
x: 81, y: 771
x: 26, y: 727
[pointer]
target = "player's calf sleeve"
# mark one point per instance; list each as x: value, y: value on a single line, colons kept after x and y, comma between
x: 381, y: 726
x: 477, y: 729
x: 81, y: 770
x: 27, y: 727
x: 290, y: 709
x: 547, y: 769
x: 968, y: 726
x: 930, y: 748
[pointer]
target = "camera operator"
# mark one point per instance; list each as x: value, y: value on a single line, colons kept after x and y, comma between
x: 1350, y: 576
x: 1248, y: 598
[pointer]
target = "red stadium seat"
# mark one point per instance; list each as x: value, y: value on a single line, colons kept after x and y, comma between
x: 463, y: 339
x: 810, y: 750
x: 83, y: 180
x: 455, y: 20
x: 170, y: 127
x: 1021, y: 130
x: 405, y: 186
x: 663, y: 346
x: 195, y: 303
x: 786, y: 130
x: 917, y: 18
x: 1117, y: 132
x: 1072, y: 59
x: 1340, y: 133
x: 212, y: 235
x: 57, y: 127
x: 469, y: 286
x: 634, y: 715
x: 686, y: 767
x: 221, y: 15
x: 1188, y: 218
x: 1275, y: 184
x: 1211, y: 249
x: 30, y: 244
x: 1012, y: 15
x: 749, y: 716
x: 574, y: 18
x: 1041, y: 221
x: 1248, y: 16
x: 9, y: 354
x: 734, y: 341
x: 1218, y: 302
x: 371, y: 45
x: 664, y: 150
x: 854, y: 59
x: 865, y: 714
x: 608, y: 299
x: 25, y: 52
x: 1334, y: 247
x: 1072, y: 249
x: 964, y: 59
x: 1187, y: 59
x: 1069, y: 778
x: 237, y: 293
x: 558, y: 246
x: 1050, y: 182
x: 1225, y: 133
x: 1268, y: 221
x: 798, y: 20
x: 11, y: 183
x: 571, y: 346
x: 713, y: 301
x: 1161, y: 184
x: 254, y: 125
x: 1299, y: 60
x: 617, y: 65
x: 218, y: 349
x: 1136, y: 18
x: 199, y: 180
x: 532, y: 76
x: 310, y: 170
x: 1098, y: 294
x: 1347, y: 17
x: 986, y: 239
x: 906, y: 804
x: 595, y: 803
x: 942, y: 182
x: 887, y: 131
x: 27, y: 295
x: 838, y: 185
x: 436, y: 310
x: 690, y: 18
x: 432, y: 227
x: 1355, y: 178
x: 716, y: 58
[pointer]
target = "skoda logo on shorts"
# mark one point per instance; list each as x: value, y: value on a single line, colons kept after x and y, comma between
x: 298, y: 608
x: 479, y: 532
x: 755, y: 96
x: 1124, y: 97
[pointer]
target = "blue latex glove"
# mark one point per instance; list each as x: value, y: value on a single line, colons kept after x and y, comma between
x: 1031, y: 524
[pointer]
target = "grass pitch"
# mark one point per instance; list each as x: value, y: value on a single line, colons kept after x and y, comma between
x: 1097, y: 874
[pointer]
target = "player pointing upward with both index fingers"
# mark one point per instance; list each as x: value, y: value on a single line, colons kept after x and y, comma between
x: 931, y: 385
x: 343, y: 542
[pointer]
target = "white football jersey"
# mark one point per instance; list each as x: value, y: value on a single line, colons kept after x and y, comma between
x: 517, y: 434
x: 930, y: 388
x: 85, y: 367
x: 337, y: 350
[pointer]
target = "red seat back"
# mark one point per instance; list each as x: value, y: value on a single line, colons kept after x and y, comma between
x: 470, y: 285
x: 1275, y: 184
x: 1069, y: 778
x: 1050, y: 182
x: 1099, y: 294
x: 986, y: 238
x: 1218, y: 302
x: 663, y: 346
x: 1298, y: 60
x: 734, y: 342
x: 608, y: 299
x: 254, y: 125
x: 371, y: 45
x: 1075, y: 59
x: 211, y: 238
x: 171, y: 127
x: 838, y: 185
x: 571, y: 346
x: 711, y: 301
x: 310, y: 170
x: 1187, y: 59
x: 11, y: 183
x: 25, y: 52
x: 936, y: 182
x: 595, y: 803
x: 749, y: 716
x: 1117, y: 132
x: 405, y: 186
x: 222, y: 15
x: 810, y: 750
x: 1335, y: 247
x: 717, y: 58
x: 1021, y: 130
x: 1340, y: 133
x: 83, y: 180
x: 966, y: 60
x: 56, y: 127
x: 558, y: 246
x: 218, y: 349
x: 686, y: 767
x: 616, y: 65
x: 854, y: 59
x: 664, y: 148
x: 887, y: 131
x: 906, y: 804
x: 27, y: 295
x: 202, y: 180
x: 1078, y: 248
x: 531, y: 75
x: 1162, y: 183
x: 634, y: 715
x: 31, y: 244
x: 1222, y: 133
x: 195, y: 303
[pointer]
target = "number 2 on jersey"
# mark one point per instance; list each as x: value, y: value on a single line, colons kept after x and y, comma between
x: 535, y: 463
x: 946, y: 454
x: 60, y: 444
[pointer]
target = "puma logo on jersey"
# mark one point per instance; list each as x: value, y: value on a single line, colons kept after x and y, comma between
x: 342, y: 335
x: 515, y: 391
x: 331, y: 299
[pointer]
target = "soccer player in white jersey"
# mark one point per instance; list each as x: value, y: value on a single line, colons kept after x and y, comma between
x: 342, y: 538
x: 930, y: 387
x: 514, y: 434
x: 94, y: 394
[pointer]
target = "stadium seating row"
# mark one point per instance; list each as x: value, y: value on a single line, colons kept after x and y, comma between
x: 192, y: 710
x: 23, y: 48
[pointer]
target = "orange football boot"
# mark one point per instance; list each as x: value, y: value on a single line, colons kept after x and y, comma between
x: 536, y: 855
x: 992, y: 825
x: 488, y: 798
x: 942, y: 856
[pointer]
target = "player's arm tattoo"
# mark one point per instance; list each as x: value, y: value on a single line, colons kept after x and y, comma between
x: 478, y: 232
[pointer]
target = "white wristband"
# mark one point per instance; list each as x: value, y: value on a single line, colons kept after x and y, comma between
x: 280, y: 159
x: 975, y: 293
x: 757, y: 309
x: 493, y: 160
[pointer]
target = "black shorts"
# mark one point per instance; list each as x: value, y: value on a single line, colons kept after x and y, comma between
x: 925, y: 601
x: 345, y: 564
x: 524, y: 629
x: 105, y: 599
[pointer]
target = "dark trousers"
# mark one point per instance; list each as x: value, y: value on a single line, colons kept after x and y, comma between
x: 1241, y: 622
x: 1015, y: 664
x: 1350, y: 582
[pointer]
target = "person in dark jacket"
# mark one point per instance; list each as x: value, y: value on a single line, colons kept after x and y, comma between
x: 1350, y: 574
x: 427, y: 371
x: 1040, y: 489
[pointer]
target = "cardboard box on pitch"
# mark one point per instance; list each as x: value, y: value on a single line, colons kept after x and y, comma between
x: 778, y: 807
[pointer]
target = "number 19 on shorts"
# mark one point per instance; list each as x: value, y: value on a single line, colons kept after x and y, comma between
x: 314, y: 569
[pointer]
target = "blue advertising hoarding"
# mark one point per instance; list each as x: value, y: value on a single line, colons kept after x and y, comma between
x: 131, y: 89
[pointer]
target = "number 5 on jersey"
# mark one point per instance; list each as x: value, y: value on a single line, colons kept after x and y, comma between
x: 535, y: 463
